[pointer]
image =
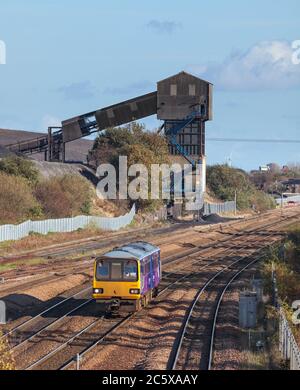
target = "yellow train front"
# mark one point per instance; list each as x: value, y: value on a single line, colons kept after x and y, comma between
x: 127, y: 277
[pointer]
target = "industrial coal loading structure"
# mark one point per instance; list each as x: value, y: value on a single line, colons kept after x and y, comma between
x: 183, y: 102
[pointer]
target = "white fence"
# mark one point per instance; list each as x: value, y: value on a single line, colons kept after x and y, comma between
x: 217, y: 208
x: 15, y: 232
x: 287, y: 344
x: 295, y: 199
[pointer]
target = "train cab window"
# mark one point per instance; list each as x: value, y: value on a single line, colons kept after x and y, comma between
x: 117, y: 270
x: 103, y: 270
x: 130, y: 270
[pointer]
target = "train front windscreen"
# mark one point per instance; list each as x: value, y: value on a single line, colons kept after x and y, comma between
x: 118, y: 270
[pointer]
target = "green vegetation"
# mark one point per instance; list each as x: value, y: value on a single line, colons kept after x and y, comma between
x: 6, y: 359
x: 24, y: 195
x: 17, y: 201
x: 223, y: 181
x: 139, y: 145
x: 287, y: 268
x: 128, y: 141
x: 19, y: 167
x: 66, y: 196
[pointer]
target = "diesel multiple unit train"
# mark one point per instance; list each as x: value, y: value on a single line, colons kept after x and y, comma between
x: 128, y: 276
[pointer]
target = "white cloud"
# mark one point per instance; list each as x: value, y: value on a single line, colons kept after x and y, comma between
x: 267, y: 65
x: 50, y: 120
x: 77, y: 91
x: 164, y: 27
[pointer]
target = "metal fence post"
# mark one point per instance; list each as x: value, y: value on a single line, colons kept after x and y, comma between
x: 78, y: 362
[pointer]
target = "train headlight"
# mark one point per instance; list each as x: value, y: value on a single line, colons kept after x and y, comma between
x: 134, y: 291
x: 98, y: 290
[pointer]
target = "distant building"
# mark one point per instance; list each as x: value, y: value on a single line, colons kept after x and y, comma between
x: 264, y: 168
x: 285, y: 169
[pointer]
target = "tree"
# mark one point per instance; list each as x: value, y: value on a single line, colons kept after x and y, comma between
x: 140, y: 147
x: 64, y: 196
x: 114, y: 141
x: 223, y: 181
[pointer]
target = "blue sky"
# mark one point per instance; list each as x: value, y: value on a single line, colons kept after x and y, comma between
x: 69, y: 57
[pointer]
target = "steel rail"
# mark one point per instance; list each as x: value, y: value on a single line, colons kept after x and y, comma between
x: 50, y: 325
x: 44, y: 312
x: 53, y: 352
x: 169, y: 260
x: 191, y: 310
x: 200, y: 292
x: 123, y: 321
x: 119, y: 324
x: 210, y: 359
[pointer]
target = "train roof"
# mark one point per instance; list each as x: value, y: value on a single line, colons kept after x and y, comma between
x: 138, y: 250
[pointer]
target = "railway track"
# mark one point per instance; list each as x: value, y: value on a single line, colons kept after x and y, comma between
x: 43, y: 319
x: 228, y: 267
x: 170, y: 260
x: 54, y: 271
x: 194, y: 347
x: 80, y: 342
x: 192, y: 274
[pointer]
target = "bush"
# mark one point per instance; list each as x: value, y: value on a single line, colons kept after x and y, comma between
x: 6, y: 359
x: 64, y: 196
x: 18, y: 166
x: 17, y: 202
x: 223, y: 181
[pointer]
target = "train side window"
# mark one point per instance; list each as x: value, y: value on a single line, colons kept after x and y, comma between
x: 155, y: 262
x: 147, y: 267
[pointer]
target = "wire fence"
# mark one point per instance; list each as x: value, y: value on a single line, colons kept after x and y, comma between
x: 64, y: 225
x: 288, y: 346
x: 290, y: 350
x: 219, y: 208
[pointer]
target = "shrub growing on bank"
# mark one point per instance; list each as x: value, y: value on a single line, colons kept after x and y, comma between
x: 64, y: 196
x: 17, y: 201
x: 20, y: 167
x: 6, y: 359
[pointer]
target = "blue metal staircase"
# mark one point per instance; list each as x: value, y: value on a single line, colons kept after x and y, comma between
x: 173, y: 131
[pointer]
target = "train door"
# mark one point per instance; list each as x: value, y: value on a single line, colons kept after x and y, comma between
x: 157, y: 268
x: 151, y: 276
